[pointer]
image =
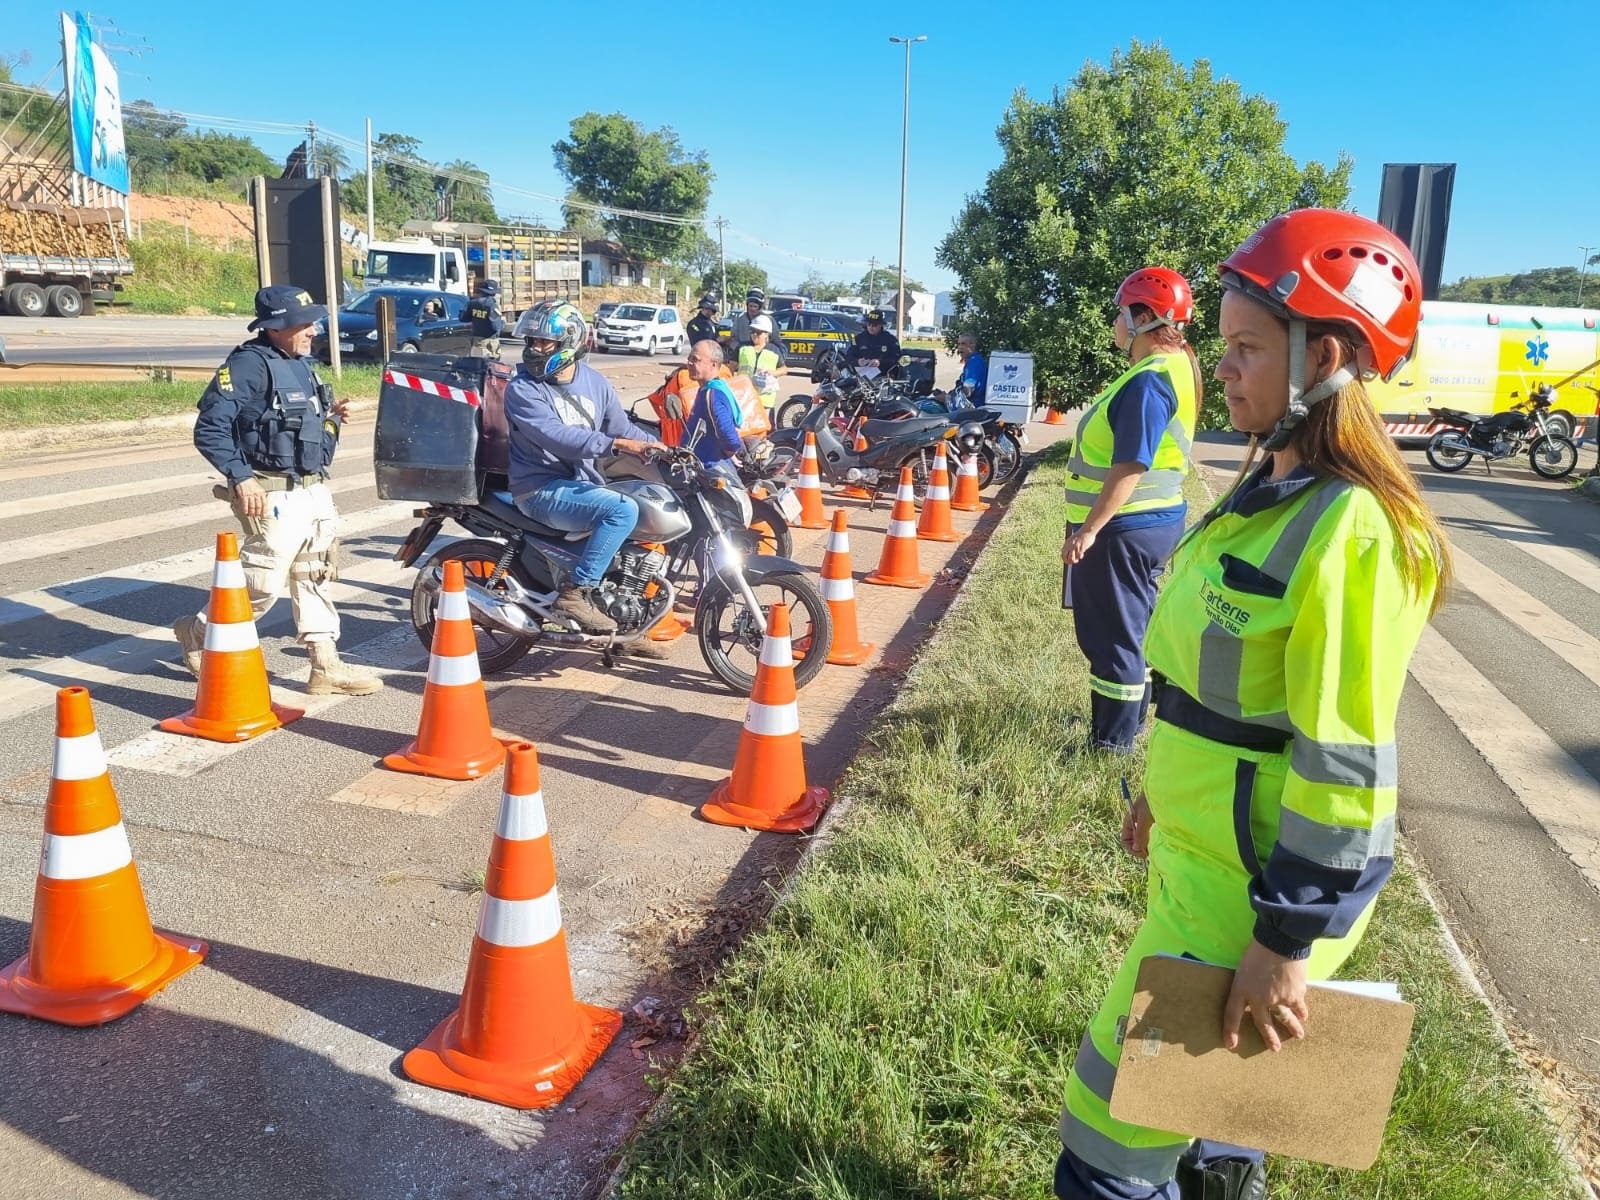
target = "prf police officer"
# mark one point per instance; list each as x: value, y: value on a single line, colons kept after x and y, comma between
x: 271, y: 427
x: 487, y: 323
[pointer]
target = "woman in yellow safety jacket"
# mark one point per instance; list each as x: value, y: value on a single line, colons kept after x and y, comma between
x: 763, y: 362
x: 1125, y: 505
x: 1279, y: 648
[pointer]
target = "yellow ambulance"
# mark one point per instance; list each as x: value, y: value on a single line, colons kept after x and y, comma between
x: 1483, y: 358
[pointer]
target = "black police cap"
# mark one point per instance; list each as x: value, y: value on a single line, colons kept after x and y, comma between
x: 284, y: 307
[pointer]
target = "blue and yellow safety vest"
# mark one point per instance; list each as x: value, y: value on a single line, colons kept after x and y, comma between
x: 1162, y: 485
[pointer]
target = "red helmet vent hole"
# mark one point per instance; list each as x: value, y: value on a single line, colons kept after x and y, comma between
x: 1398, y: 273
x: 1381, y: 259
x: 1332, y: 253
x: 1408, y: 291
x: 1358, y: 251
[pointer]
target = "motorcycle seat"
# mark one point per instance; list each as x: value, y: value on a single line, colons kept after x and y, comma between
x: 501, y: 506
x: 1500, y: 421
x: 878, y: 430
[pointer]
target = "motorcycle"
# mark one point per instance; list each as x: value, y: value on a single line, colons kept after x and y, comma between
x: 1504, y: 435
x: 694, y: 520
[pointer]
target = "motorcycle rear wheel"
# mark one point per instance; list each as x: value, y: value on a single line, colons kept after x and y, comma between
x: 1007, y: 457
x: 1445, y: 457
x: 771, y: 530
x: 1553, y: 457
x: 921, y: 464
x: 497, y: 651
x: 791, y: 412
x: 730, y: 635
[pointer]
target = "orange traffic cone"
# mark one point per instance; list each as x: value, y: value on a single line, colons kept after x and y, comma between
x: 1053, y: 416
x: 767, y: 789
x: 809, y: 488
x: 453, y: 737
x: 92, y: 955
x: 897, y: 566
x: 966, y: 498
x: 519, y: 1037
x: 855, y: 491
x: 839, y: 590
x: 233, y: 702
x: 934, y: 523
x: 668, y: 629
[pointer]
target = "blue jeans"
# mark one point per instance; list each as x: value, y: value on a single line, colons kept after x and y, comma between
x: 575, y: 506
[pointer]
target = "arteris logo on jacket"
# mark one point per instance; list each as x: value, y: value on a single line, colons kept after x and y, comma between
x: 1232, y: 617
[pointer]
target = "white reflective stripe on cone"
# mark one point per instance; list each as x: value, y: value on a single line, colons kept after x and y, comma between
x: 773, y: 720
x: 837, y: 589
x: 85, y: 855
x: 906, y: 493
x: 969, y: 466
x: 451, y: 670
x: 903, y: 529
x: 776, y: 652
x: 453, y: 607
x: 229, y: 573
x: 838, y: 543
x: 80, y: 757
x: 522, y: 817
x: 938, y: 492
x: 238, y: 635
x: 520, y: 922
x: 808, y: 479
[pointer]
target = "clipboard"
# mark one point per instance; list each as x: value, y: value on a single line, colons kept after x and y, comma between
x: 1325, y: 1098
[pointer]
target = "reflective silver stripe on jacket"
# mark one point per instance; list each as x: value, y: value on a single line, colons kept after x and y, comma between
x: 1150, y: 1166
x: 1154, y: 484
x: 1345, y: 764
x: 1340, y: 847
x: 1094, y: 1070
x: 1222, y: 654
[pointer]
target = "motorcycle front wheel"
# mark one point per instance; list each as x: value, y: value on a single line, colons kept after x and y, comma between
x: 1553, y: 457
x: 791, y: 412
x: 771, y: 530
x: 1444, y: 456
x: 730, y: 634
x: 497, y: 651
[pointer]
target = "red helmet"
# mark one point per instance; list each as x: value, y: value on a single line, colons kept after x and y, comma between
x: 1317, y: 264
x: 1163, y: 291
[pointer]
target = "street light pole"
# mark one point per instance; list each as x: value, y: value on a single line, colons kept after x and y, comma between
x: 905, y: 145
x: 1583, y: 269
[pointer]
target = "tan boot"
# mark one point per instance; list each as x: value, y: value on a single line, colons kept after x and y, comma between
x: 330, y: 675
x: 191, y: 635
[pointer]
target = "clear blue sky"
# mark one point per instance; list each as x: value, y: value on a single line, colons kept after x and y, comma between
x: 798, y: 106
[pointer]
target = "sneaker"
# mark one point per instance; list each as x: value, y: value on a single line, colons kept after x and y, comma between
x: 578, y: 604
x: 191, y: 640
x: 643, y: 647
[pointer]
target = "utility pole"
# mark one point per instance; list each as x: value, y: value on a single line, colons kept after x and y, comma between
x: 905, y: 144
x: 370, y: 234
x: 1583, y: 269
x: 872, y: 278
x: 722, y: 257
x: 311, y: 149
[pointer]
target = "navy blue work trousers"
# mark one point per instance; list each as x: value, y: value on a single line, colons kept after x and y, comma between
x: 1113, y: 592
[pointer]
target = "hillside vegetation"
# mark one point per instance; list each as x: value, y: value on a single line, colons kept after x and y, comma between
x: 1559, y: 287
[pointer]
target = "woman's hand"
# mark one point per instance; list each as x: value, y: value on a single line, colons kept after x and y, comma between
x: 1273, y: 989
x: 1077, y: 545
x: 1136, y: 823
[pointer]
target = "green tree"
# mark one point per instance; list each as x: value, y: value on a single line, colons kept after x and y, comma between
x: 1558, y: 287
x: 151, y: 136
x: 610, y: 160
x: 220, y: 158
x: 742, y: 276
x: 1142, y: 161
x: 818, y: 288
x: 878, y: 286
x: 467, y: 185
x: 330, y: 159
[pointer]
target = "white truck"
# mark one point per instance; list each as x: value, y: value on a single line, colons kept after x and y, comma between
x: 530, y: 263
x: 59, y: 260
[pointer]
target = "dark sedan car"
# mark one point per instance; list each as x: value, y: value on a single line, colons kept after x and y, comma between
x: 804, y: 332
x: 426, y: 321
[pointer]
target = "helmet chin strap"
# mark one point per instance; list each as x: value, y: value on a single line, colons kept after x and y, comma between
x: 1300, y: 402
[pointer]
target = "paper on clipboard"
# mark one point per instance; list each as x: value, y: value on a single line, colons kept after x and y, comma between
x: 1325, y: 1098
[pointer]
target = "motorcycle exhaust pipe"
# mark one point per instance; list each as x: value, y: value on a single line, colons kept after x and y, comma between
x: 1455, y: 442
x: 496, y: 614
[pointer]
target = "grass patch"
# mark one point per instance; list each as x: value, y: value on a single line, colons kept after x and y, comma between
x: 32, y: 405
x: 904, y: 1025
x: 172, y: 277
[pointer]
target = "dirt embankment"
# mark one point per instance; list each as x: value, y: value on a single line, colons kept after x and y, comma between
x: 218, y: 222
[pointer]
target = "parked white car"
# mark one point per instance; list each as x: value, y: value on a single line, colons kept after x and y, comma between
x: 645, y: 328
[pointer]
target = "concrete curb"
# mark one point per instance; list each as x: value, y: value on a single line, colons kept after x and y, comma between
x: 175, y: 427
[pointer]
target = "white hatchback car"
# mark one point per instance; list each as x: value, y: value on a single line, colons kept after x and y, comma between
x: 645, y: 328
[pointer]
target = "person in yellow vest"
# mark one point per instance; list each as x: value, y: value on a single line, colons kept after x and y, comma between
x: 1279, y: 645
x: 1125, y: 506
x: 763, y: 362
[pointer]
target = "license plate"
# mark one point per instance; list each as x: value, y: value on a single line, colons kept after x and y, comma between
x: 616, y: 341
x: 789, y: 504
x: 347, y: 347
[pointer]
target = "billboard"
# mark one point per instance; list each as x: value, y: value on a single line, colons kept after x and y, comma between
x: 94, y: 104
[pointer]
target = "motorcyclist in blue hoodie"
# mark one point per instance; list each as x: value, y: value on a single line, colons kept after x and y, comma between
x: 564, y: 415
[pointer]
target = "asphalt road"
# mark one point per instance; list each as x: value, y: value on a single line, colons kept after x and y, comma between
x: 1500, y: 748
x: 338, y: 899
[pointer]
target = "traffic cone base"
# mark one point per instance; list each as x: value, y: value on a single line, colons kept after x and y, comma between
x: 170, y: 956
x: 518, y: 1036
x: 803, y: 814
x: 92, y: 954
x: 1053, y: 417
x: 453, y: 739
x: 854, y: 491
x: 233, y: 702
x: 668, y: 629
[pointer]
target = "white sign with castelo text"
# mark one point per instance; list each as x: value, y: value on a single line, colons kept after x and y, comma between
x: 1010, y: 386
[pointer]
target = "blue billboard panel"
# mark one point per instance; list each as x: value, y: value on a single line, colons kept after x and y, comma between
x: 94, y: 104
